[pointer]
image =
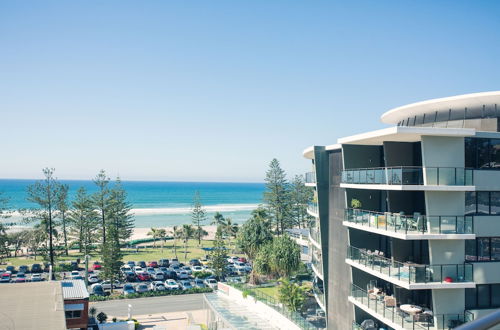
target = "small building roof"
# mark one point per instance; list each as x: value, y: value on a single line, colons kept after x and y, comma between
x: 74, y: 290
x: 34, y: 305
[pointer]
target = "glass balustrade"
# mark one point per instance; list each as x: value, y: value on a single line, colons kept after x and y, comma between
x: 410, y: 175
x: 317, y: 260
x: 408, y: 271
x: 315, y: 234
x: 310, y: 177
x: 411, y: 224
x: 313, y: 208
x: 388, y: 308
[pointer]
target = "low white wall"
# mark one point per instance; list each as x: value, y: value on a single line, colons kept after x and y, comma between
x: 265, y: 312
x: 125, y: 325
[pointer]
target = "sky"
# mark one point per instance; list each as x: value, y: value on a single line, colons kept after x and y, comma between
x: 214, y: 90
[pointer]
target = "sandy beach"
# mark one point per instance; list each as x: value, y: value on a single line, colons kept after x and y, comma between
x: 140, y: 233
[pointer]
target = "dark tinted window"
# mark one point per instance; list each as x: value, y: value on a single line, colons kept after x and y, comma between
x: 495, y: 295
x: 470, y: 152
x: 495, y: 202
x: 470, y: 202
x: 470, y: 298
x: 470, y: 250
x: 483, y: 249
x: 483, y: 296
x: 495, y: 248
x: 483, y: 202
x: 483, y: 153
x: 495, y: 153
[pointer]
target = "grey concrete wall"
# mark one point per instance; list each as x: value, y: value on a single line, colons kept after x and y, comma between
x: 487, y: 226
x: 486, y: 272
x: 449, y: 301
x: 487, y: 179
x: 356, y: 156
x: 438, y: 151
x: 340, y: 311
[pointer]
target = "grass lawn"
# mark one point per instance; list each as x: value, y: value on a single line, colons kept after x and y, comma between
x: 271, y: 291
x: 144, y: 254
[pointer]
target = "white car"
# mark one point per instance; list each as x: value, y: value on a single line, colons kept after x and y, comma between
x: 75, y: 275
x: 141, y: 288
x: 138, y: 269
x: 172, y: 285
x: 158, y: 276
x: 106, y: 285
x: 126, y: 268
x: 183, y: 275
x: 93, y: 279
x: 36, y: 277
x: 232, y: 259
x: 197, y: 269
x: 158, y: 286
x: 211, y: 283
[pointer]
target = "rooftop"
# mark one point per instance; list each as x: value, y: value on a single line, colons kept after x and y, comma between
x: 34, y: 305
x: 74, y: 290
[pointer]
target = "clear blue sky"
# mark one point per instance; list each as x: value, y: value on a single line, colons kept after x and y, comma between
x: 213, y: 90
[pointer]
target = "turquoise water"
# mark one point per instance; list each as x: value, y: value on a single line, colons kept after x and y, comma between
x: 162, y: 203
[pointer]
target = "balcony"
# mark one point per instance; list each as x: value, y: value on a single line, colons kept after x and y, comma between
x: 314, y: 236
x: 319, y: 294
x: 317, y: 261
x: 410, y: 275
x: 313, y: 209
x: 388, y: 311
x: 310, y: 178
x: 414, y: 226
x: 409, y: 176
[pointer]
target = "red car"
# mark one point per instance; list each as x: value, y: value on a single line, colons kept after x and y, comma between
x: 97, y: 266
x: 153, y: 264
x: 20, y: 278
x: 144, y: 276
x: 241, y: 259
x: 5, y: 278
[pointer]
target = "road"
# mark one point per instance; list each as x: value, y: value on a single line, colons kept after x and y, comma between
x: 151, y: 305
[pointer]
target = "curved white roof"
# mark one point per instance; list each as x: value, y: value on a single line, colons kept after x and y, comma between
x: 453, y: 102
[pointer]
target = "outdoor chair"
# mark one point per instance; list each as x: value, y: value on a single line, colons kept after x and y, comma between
x: 389, y: 301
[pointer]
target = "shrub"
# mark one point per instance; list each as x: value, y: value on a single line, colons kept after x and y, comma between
x: 202, y: 274
x: 102, y: 317
x: 151, y: 294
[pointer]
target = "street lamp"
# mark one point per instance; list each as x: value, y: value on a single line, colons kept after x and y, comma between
x: 87, y: 269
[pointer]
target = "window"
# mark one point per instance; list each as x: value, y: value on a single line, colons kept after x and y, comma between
x: 470, y: 152
x: 495, y: 153
x: 482, y: 153
x: 483, y: 296
x: 73, y: 314
x: 483, y: 249
x: 470, y: 202
x: 482, y: 203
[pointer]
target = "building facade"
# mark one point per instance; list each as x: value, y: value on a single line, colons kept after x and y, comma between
x: 407, y: 219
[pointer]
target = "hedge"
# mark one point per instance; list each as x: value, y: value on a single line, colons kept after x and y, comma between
x: 150, y: 294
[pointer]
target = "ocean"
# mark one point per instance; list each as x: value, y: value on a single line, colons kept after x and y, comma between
x: 161, y: 204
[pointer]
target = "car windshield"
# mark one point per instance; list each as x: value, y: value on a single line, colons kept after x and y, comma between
x: 128, y: 287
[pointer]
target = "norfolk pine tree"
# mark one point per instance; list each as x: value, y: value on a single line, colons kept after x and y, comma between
x: 277, y: 196
x: 198, y: 215
x: 63, y: 207
x: 218, y: 254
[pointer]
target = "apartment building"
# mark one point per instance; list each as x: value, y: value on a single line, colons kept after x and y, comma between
x: 407, y: 218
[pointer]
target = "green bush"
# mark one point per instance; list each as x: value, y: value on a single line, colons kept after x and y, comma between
x: 151, y: 294
x: 202, y: 274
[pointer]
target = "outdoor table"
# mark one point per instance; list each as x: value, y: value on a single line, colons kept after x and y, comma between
x: 411, y: 309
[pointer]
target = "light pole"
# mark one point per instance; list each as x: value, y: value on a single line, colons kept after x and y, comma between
x: 87, y: 270
x: 129, y: 312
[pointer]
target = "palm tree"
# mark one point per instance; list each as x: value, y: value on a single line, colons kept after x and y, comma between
x: 218, y: 219
x: 162, y: 234
x: 153, y: 233
x: 230, y: 229
x: 175, y: 234
x: 186, y: 232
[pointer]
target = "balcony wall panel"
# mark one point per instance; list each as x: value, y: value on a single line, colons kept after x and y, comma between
x: 487, y: 180
x: 486, y: 272
x: 487, y: 226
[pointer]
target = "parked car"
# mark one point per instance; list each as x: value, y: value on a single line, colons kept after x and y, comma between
x: 198, y: 283
x: 158, y: 275
x: 131, y: 264
x: 163, y: 263
x: 194, y: 262
x: 10, y: 269
x: 138, y: 269
x: 232, y: 259
x: 174, y: 262
x: 96, y: 266
x: 36, y: 277
x: 170, y: 274
x: 242, y: 259
x: 20, y: 278
x: 187, y: 269
x: 182, y: 275
x: 5, y: 278
x: 157, y: 286
x: 150, y: 271
x: 125, y: 268
x: 24, y: 269
x: 130, y: 277
x: 128, y: 289
x: 172, y: 285
x: 97, y: 290
x: 153, y: 264
x: 211, y: 283
x: 106, y: 285
x: 196, y: 269
x: 93, y: 279
x: 175, y: 268
x: 75, y: 275
x: 142, y: 264
x: 141, y: 288
x: 36, y: 268
x: 185, y: 285
x: 143, y: 276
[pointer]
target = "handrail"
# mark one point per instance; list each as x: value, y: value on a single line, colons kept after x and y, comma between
x: 410, y: 175
x: 412, y: 273
x: 414, y: 224
x: 313, y: 207
x: 310, y: 177
x: 482, y: 323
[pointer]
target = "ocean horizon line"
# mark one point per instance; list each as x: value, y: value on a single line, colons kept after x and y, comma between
x: 138, y: 180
